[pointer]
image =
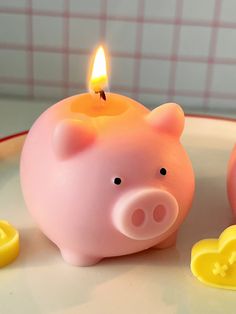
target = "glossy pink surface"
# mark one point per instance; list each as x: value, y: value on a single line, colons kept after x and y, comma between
x: 231, y: 180
x: 92, y: 178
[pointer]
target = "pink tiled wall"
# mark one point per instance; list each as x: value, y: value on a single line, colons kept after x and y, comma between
x: 161, y: 50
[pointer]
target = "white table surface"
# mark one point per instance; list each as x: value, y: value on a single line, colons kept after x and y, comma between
x: 150, y: 282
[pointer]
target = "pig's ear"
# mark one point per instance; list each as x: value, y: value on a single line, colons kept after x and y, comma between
x: 70, y: 137
x: 167, y: 118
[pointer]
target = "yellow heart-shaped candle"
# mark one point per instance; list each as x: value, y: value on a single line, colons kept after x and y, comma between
x: 9, y: 243
x: 213, y: 261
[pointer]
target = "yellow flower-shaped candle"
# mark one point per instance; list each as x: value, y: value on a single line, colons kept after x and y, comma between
x: 213, y: 261
x: 9, y: 243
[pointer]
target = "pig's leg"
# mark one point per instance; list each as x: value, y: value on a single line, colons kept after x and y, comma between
x: 78, y: 259
x: 170, y: 241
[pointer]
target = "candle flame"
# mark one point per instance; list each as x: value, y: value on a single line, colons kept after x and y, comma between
x: 98, y: 79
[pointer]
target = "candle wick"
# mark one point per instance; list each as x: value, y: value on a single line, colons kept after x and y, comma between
x: 102, y: 94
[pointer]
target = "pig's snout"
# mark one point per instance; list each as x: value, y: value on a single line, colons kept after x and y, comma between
x: 145, y: 213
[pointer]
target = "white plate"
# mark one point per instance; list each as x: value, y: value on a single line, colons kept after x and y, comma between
x: 144, y: 283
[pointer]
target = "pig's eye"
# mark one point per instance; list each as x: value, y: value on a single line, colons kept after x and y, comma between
x: 117, y: 181
x: 163, y: 171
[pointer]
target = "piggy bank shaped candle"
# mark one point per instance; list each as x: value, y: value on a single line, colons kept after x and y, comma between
x: 107, y: 179
x: 231, y: 180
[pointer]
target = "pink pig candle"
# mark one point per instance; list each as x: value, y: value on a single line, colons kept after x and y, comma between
x: 231, y: 180
x: 104, y: 176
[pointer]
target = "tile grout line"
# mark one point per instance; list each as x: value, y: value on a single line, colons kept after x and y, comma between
x: 30, y: 51
x: 191, y: 59
x: 103, y: 20
x: 138, y: 50
x: 66, y: 48
x: 187, y: 93
x: 184, y: 22
x: 175, y: 49
x: 212, y: 54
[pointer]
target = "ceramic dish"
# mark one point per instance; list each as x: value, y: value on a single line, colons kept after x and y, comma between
x: 153, y: 281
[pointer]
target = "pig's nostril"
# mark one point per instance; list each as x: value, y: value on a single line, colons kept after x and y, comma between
x: 138, y: 217
x: 159, y: 213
